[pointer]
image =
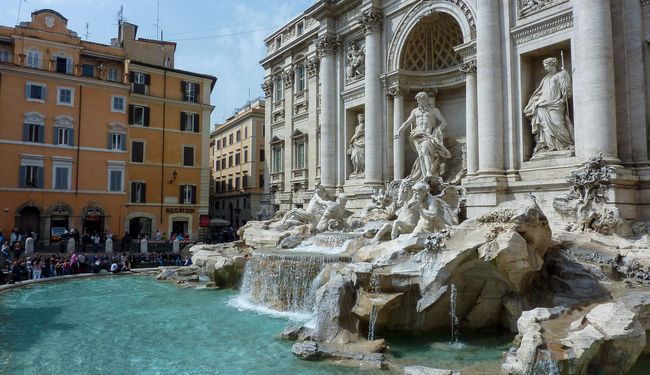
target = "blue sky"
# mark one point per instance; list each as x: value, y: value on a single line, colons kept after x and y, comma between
x: 218, y: 37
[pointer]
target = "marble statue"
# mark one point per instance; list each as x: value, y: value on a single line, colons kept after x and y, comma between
x: 435, y: 212
x: 426, y: 138
x: 355, y: 60
x: 547, y: 110
x: 380, y: 200
x: 311, y: 214
x: 407, y: 215
x: 357, y: 148
x: 335, y: 215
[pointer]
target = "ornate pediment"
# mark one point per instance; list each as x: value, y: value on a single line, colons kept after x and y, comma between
x: 116, y: 127
x: 34, y: 118
x: 63, y: 121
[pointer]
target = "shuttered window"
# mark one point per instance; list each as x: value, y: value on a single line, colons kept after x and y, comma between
x: 138, y: 192
x: 188, y: 156
x: 137, y: 152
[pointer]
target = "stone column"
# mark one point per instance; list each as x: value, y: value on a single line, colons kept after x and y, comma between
x: 371, y: 21
x: 471, y: 118
x: 327, y: 46
x: 399, y: 151
x: 595, y: 125
x: 489, y: 87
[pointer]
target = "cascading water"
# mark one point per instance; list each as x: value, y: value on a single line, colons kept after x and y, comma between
x: 455, y: 323
x: 545, y: 364
x: 375, y: 288
x: 283, y: 282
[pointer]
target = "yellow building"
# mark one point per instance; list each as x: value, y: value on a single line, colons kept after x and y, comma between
x: 237, y: 160
x: 67, y: 109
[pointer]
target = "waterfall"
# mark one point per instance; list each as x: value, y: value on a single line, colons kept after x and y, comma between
x: 375, y: 288
x: 545, y: 364
x: 455, y: 323
x: 284, y: 282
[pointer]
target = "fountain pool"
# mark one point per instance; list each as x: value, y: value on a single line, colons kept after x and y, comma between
x: 135, y: 325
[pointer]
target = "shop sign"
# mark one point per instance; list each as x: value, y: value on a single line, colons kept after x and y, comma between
x: 180, y: 210
x: 59, y: 211
x: 94, y: 212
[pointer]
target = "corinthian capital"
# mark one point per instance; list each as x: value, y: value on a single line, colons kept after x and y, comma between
x: 327, y: 44
x: 371, y: 20
x: 468, y: 67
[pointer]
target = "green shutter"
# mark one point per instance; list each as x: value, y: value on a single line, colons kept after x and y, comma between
x: 54, y: 137
x: 110, y: 141
x: 71, y: 137
x: 43, y: 92
x: 146, y: 116
x: 144, y: 192
x: 147, y: 79
x: 196, y: 123
x: 41, y: 134
x: 180, y: 197
x: 183, y: 121
x: 193, y: 194
x: 25, y: 132
x: 197, y: 90
x: 131, y: 114
x: 39, y: 177
x: 123, y: 142
x: 28, y: 91
x: 23, y: 172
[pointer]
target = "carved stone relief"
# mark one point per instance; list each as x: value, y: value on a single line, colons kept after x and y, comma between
x: 355, y: 61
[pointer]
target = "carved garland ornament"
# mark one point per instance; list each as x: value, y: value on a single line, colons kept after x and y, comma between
x: 312, y: 66
x: 468, y: 67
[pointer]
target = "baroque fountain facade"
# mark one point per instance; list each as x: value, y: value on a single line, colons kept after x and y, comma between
x: 458, y: 175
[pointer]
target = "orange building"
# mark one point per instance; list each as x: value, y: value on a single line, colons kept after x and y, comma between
x: 67, y: 132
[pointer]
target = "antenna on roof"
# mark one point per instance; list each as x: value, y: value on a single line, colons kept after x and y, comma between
x: 20, y: 3
x: 158, y: 19
x: 87, y: 27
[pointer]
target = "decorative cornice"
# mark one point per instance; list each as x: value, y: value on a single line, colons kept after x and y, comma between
x: 544, y: 27
x: 467, y: 51
x: 267, y: 87
x: 371, y: 20
x: 529, y: 7
x: 468, y: 67
x: 312, y: 66
x: 327, y: 44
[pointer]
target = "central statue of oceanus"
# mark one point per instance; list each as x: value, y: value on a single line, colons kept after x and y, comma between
x: 426, y: 138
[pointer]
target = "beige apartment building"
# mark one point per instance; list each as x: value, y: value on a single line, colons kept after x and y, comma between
x: 237, y: 158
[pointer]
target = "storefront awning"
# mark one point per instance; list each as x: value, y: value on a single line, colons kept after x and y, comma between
x: 219, y: 222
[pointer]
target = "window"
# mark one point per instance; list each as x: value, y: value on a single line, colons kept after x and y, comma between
x: 32, y: 177
x: 230, y: 184
x: 223, y: 163
x: 262, y: 155
x: 87, y: 70
x: 117, y: 104
x: 261, y: 180
x: 140, y: 82
x: 63, y: 64
x: 245, y: 132
x: 300, y: 155
x: 189, y: 122
x: 300, y: 28
x: 223, y: 142
x: 278, y: 89
x: 237, y: 183
x: 244, y: 183
x: 245, y: 155
x: 115, y: 180
x: 138, y: 115
x: 278, y: 42
x: 223, y: 185
x: 188, y: 156
x: 300, y: 79
x: 190, y: 91
x: 230, y: 137
x: 117, y: 141
x: 277, y: 160
x: 64, y: 96
x: 229, y: 161
x: 34, y: 133
x: 218, y: 144
x: 238, y: 135
x: 137, y: 152
x: 188, y: 194
x: 35, y: 92
x: 33, y: 59
x: 5, y: 56
x: 113, y: 74
x: 63, y: 136
x: 138, y: 192
x: 62, y: 177
x: 237, y: 159
x: 217, y: 165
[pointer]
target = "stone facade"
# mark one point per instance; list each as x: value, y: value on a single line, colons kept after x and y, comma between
x: 484, y: 63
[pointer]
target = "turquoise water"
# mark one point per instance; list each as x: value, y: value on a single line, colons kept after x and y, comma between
x: 135, y: 325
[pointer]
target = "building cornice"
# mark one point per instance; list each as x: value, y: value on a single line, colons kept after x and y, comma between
x: 46, y: 74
